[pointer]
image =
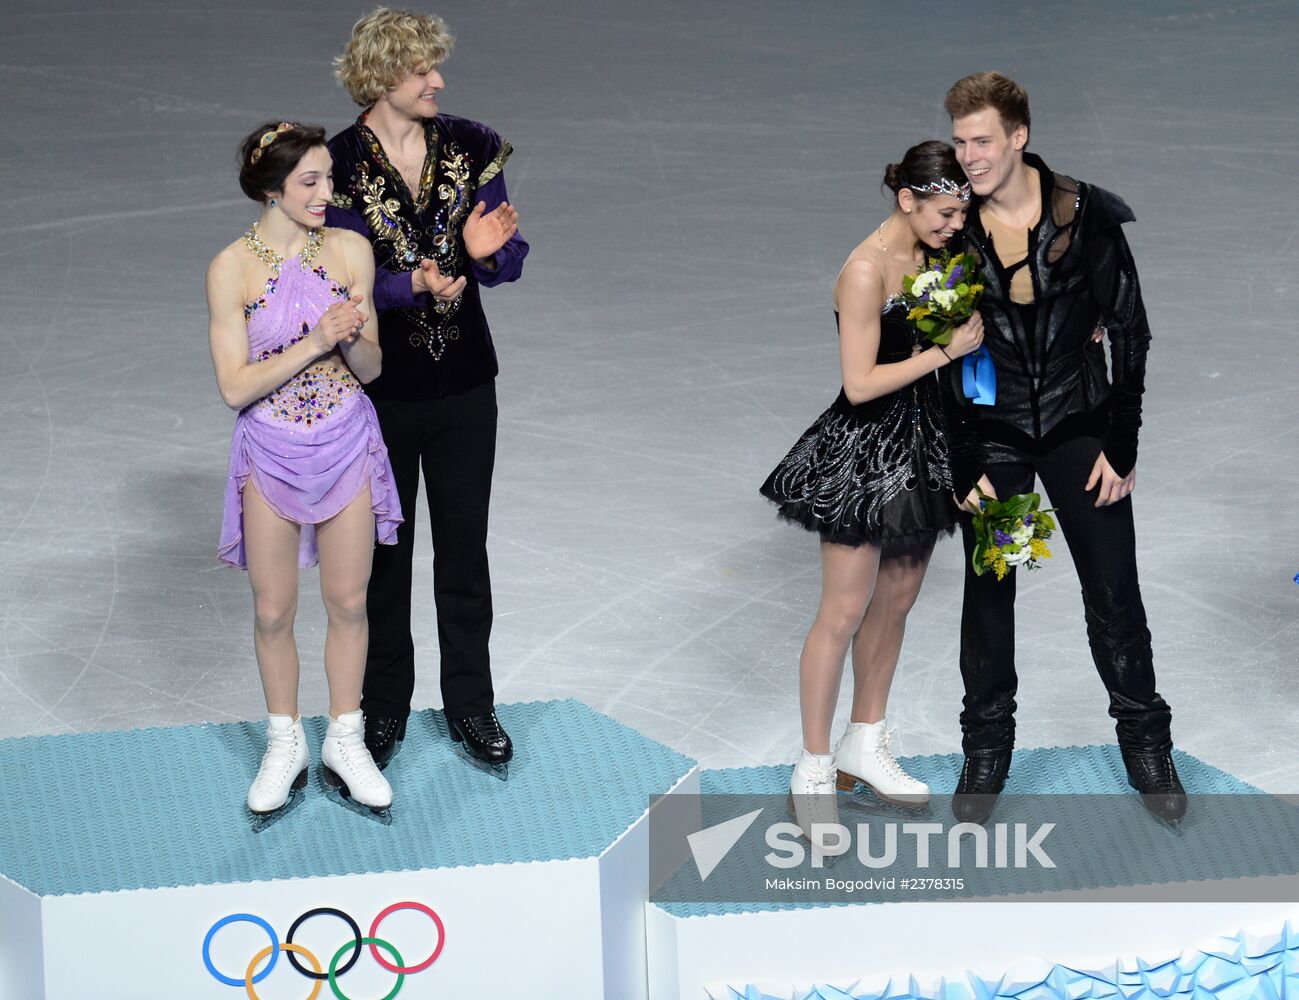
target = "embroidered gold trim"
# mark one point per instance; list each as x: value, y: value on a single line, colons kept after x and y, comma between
x: 453, y: 195
x: 383, y: 215
x: 455, y: 206
x: 340, y: 200
x: 306, y: 256
x: 420, y: 198
x: 497, y: 164
x: 430, y: 164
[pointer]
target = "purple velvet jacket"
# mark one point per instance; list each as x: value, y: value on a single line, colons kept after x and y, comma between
x: 430, y: 349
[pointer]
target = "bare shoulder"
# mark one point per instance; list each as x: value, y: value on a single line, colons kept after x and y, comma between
x: 348, y: 239
x: 351, y: 249
x: 861, y: 282
x: 227, y: 267
x: 229, y: 256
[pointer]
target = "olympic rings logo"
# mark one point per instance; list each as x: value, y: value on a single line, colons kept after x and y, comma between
x: 252, y: 977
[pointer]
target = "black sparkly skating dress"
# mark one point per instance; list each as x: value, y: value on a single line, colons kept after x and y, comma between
x: 876, y: 472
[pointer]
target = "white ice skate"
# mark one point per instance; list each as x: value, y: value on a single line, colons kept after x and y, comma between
x: 864, y: 757
x: 283, y: 772
x: 350, y: 770
x: 813, y: 802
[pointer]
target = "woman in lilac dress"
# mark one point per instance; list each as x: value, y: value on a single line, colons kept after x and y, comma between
x: 309, y: 478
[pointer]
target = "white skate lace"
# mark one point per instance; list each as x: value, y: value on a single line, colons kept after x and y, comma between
x: 357, y: 759
x: 278, y: 758
x: 814, y: 802
x: 884, y: 755
x: 817, y: 774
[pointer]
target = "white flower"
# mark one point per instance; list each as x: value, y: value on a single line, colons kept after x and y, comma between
x: 1022, y: 534
x: 1015, y: 558
x: 944, y: 297
x: 924, y: 280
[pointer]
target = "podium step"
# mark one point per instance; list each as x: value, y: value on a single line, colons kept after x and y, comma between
x: 120, y: 852
x: 1231, y: 870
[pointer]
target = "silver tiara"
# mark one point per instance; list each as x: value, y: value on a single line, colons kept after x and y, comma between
x: 959, y: 192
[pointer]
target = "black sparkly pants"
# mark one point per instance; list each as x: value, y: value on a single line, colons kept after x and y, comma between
x: 1102, y: 542
x: 454, y: 440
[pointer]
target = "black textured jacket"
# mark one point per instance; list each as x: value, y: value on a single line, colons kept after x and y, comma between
x: 1083, y: 276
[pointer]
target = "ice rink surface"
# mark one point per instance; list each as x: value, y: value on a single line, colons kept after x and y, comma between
x: 690, y: 177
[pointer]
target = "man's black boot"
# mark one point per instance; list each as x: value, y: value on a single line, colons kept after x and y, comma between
x: 483, y: 736
x: 383, y: 736
x: 982, y: 779
x: 1155, y: 776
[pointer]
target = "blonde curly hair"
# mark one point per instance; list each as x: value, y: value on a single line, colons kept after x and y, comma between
x: 386, y: 45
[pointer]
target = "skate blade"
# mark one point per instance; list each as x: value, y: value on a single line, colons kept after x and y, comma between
x: 874, y: 802
x: 499, y: 771
x: 262, y: 821
x: 336, y: 791
x: 1177, y: 826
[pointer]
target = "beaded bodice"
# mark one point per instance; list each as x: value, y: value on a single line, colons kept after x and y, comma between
x: 292, y: 302
x: 898, y: 338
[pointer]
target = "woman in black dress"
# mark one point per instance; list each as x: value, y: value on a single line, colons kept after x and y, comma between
x: 871, y: 477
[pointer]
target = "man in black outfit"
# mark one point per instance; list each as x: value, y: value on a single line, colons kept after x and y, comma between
x: 428, y: 190
x: 1056, y: 267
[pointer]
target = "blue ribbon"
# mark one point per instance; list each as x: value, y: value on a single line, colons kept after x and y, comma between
x: 979, y: 378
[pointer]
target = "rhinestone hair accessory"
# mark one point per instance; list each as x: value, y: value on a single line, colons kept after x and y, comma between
x: 268, y: 138
x: 960, y: 192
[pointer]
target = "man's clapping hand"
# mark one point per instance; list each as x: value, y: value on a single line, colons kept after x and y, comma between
x: 427, y: 278
x: 486, y: 232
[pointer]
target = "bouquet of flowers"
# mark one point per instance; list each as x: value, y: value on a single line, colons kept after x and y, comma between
x: 943, y: 296
x: 1011, y: 532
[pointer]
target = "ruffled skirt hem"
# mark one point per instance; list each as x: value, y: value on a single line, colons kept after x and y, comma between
x: 875, y: 474
x: 371, y: 468
x: 891, y: 544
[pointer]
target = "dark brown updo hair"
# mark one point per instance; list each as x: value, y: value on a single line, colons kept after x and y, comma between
x: 277, y: 158
x: 932, y: 161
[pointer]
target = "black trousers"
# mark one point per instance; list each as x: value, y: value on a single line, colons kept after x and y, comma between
x: 454, y: 439
x: 1103, y: 544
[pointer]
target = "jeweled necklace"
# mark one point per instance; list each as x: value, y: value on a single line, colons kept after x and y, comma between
x: 254, y: 242
x: 879, y: 235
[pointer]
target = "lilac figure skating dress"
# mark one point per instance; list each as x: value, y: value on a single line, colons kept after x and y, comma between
x: 313, y: 444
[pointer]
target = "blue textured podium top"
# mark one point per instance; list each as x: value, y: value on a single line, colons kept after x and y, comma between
x: 148, y: 808
x: 1096, y: 807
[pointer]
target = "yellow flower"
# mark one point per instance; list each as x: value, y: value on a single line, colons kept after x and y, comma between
x: 1039, y: 549
x: 999, y: 567
x: 989, y: 556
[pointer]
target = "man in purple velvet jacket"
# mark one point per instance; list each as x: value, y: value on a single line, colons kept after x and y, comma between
x: 428, y: 191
